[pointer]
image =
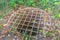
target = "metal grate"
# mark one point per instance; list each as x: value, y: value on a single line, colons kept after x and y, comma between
x: 28, y: 21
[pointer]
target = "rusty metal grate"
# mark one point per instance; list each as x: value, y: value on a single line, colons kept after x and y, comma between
x: 28, y: 21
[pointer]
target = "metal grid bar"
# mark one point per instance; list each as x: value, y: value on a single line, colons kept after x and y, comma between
x: 29, y: 22
x: 29, y: 25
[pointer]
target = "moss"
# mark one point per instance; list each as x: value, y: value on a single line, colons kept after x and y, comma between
x: 13, y: 29
x: 1, y: 26
x: 49, y: 33
x: 27, y: 37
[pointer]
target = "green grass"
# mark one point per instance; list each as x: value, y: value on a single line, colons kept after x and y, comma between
x: 1, y: 26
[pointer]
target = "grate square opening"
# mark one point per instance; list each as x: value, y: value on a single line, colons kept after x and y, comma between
x: 20, y: 26
x: 25, y: 15
x: 22, y: 22
x: 29, y: 27
x: 23, y: 19
x: 13, y: 20
x: 41, y: 25
x: 18, y: 21
x: 29, y: 16
x: 33, y: 16
x: 18, y: 29
x: 31, y: 24
x: 28, y: 32
x: 33, y: 34
x: 36, y: 25
x: 24, y: 26
x: 28, y: 19
x: 35, y: 29
x: 22, y: 31
x: 37, y: 18
x: 26, y: 23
